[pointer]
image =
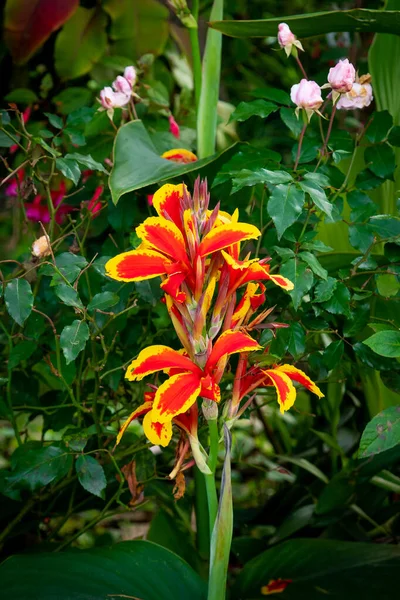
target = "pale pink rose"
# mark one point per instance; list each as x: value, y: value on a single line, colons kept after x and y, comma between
x: 111, y: 99
x: 130, y: 75
x: 285, y: 36
x: 359, y: 96
x: 342, y: 76
x: 307, y: 95
x: 173, y: 127
x: 122, y: 85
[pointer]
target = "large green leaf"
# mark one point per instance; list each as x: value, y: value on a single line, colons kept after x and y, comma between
x: 284, y: 206
x: 382, y: 433
x: 385, y: 343
x: 138, y: 27
x: 136, y: 569
x: 321, y: 569
x: 138, y: 164
x: 315, y: 23
x: 19, y: 300
x: 81, y: 43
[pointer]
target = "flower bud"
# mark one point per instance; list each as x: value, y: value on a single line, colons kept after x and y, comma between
x: 210, y: 410
x: 173, y: 127
x: 342, y: 76
x: 122, y: 85
x: 359, y: 96
x: 130, y: 75
x: 287, y: 39
x: 110, y: 99
x: 307, y: 95
x: 41, y: 247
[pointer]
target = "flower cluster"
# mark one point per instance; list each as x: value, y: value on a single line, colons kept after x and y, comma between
x: 348, y: 91
x: 121, y: 91
x: 212, y: 296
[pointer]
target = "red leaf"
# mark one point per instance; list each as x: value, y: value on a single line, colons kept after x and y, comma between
x: 28, y: 24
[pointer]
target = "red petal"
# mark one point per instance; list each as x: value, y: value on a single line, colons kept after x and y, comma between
x: 164, y: 236
x: 159, y: 358
x: 175, y: 396
x: 228, y: 343
x: 226, y: 235
x: 137, y: 265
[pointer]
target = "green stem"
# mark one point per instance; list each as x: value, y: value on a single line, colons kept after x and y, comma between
x: 207, y: 113
x: 212, y: 500
x: 201, y: 510
x: 196, y: 63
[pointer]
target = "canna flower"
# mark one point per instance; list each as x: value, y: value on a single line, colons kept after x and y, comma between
x: 287, y: 39
x: 307, y: 96
x: 179, y: 155
x: 174, y: 127
x: 359, y: 96
x: 341, y: 78
x: 186, y: 382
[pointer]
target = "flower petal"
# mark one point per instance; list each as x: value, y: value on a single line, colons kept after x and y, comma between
x: 180, y: 155
x: 159, y: 358
x: 228, y: 343
x: 226, y: 235
x: 138, y: 412
x: 284, y: 388
x: 159, y: 434
x: 164, y: 236
x: 167, y: 202
x: 275, y: 586
x: 175, y: 396
x: 299, y: 376
x: 137, y: 265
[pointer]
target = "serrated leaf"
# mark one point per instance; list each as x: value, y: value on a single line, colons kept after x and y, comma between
x: 339, y: 302
x: 69, y: 168
x: 87, y: 161
x: 362, y: 206
x: 55, y: 120
x: 360, y: 237
x: 19, y: 300
x: 68, y: 295
x: 324, y: 289
x: 20, y: 352
x: 288, y: 116
x: 301, y: 276
x: 91, y: 475
x: 380, y: 160
x: 70, y: 265
x: 103, y: 300
x: 386, y: 226
x: 317, y: 195
x: 297, y: 340
x: 385, y: 343
x: 314, y: 264
x: 378, y: 128
x: 382, y: 433
x: 333, y: 354
x: 256, y: 108
x: 284, y: 206
x: 388, y: 285
x: 273, y: 94
x: 73, y: 339
x: 245, y: 177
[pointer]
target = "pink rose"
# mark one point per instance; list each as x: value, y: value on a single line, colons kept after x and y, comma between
x: 130, y: 75
x: 110, y: 99
x: 285, y: 36
x: 306, y: 94
x: 342, y: 76
x: 122, y: 85
x: 359, y: 96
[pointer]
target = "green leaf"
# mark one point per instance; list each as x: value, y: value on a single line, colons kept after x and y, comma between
x: 284, y: 206
x: 69, y: 168
x: 297, y: 340
x: 55, y: 120
x: 317, y: 195
x: 378, y: 128
x: 138, y: 164
x: 360, y: 237
x: 309, y: 151
x: 362, y: 206
x: 333, y: 354
x: 73, y: 339
x: 34, y: 466
x: 68, y: 295
x: 125, y: 570
x: 386, y: 226
x: 394, y: 136
x: 22, y: 96
x: 255, y: 108
x: 20, y: 352
x: 380, y: 160
x: 288, y: 116
x: 245, y: 177
x: 91, y: 475
x: 273, y: 94
x: 324, y: 289
x: 70, y: 265
x: 87, y: 161
x: 72, y: 99
x: 19, y: 300
x: 339, y: 302
x: 311, y: 24
x: 81, y: 43
x: 6, y: 141
x: 385, y: 343
x: 314, y: 264
x: 301, y: 276
x: 382, y: 433
x: 388, y: 285
x: 103, y: 300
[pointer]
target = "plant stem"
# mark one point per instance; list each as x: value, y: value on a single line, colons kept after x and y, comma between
x: 299, y: 146
x: 196, y: 63
x: 329, y: 130
x: 301, y: 67
x: 207, y: 113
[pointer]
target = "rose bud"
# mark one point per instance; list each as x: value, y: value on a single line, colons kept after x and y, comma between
x: 41, y: 247
x: 340, y: 78
x: 122, y: 85
x: 287, y: 39
x: 307, y: 96
x: 173, y: 127
x: 130, y: 75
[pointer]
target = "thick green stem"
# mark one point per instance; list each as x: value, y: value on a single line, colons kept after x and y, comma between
x: 196, y: 63
x: 207, y: 113
x: 201, y: 510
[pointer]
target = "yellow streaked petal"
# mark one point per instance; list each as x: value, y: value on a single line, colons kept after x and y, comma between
x: 159, y: 434
x: 158, y: 358
x: 175, y: 396
x: 227, y: 235
x: 299, y: 376
x: 138, y: 412
x: 180, y: 155
x: 228, y: 343
x: 284, y: 387
x: 167, y: 200
x: 137, y: 265
x: 164, y: 236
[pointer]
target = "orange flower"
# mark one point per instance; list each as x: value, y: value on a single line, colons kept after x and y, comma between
x: 180, y: 155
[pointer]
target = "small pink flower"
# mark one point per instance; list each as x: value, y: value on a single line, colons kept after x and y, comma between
x: 359, y: 96
x: 287, y: 39
x: 110, y: 99
x: 173, y: 127
x: 307, y: 95
x: 130, y: 75
x: 122, y: 85
x: 342, y: 76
